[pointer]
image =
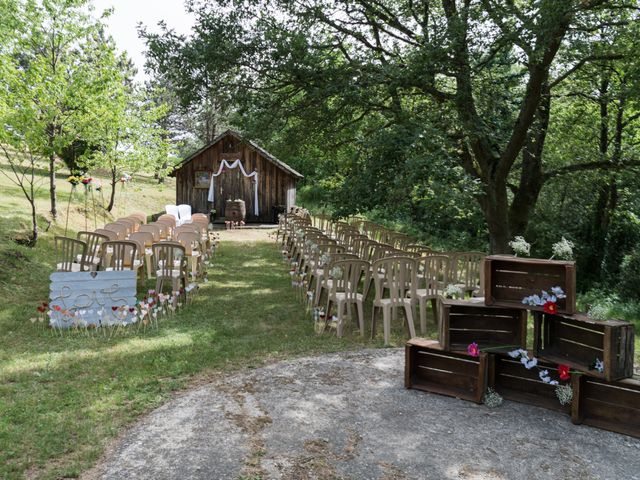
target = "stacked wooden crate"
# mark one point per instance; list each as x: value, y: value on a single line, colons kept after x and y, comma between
x: 608, y: 399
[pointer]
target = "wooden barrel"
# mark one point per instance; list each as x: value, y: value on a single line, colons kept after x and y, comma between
x: 235, y: 210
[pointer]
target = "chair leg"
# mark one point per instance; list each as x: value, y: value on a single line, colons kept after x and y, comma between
x: 423, y: 315
x: 434, y: 307
x: 340, y: 325
x: 412, y: 329
x: 373, y: 322
x: 360, y: 317
x: 386, y: 321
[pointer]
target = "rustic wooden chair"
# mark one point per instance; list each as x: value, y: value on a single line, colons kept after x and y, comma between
x: 120, y: 255
x: 145, y: 242
x: 432, y: 275
x: 118, y: 228
x: 170, y: 265
x: 347, y: 289
x: 391, y: 292
x: 94, y: 241
x: 68, y: 251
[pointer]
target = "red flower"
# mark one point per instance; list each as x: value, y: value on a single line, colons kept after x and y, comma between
x: 114, y: 308
x: 45, y: 304
x: 57, y: 308
x: 41, y: 309
x: 563, y: 371
x: 550, y: 307
x: 131, y: 309
x: 473, y: 349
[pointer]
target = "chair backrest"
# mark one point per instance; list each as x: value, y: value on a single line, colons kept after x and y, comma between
x: 151, y: 228
x: 433, y: 274
x: 168, y: 257
x: 172, y: 210
x: 201, y: 223
x: 123, y: 255
x: 132, y: 225
x: 165, y: 228
x: 415, y: 247
x: 68, y: 250
x: 347, y: 276
x: 188, y: 227
x: 119, y: 228
x: 380, y: 250
x: 185, y: 212
x: 200, y: 216
x: 110, y: 234
x: 467, y: 268
x: 189, y: 240
x: 143, y: 239
x: 394, y: 276
x: 140, y: 216
x: 94, y: 240
x: 168, y: 219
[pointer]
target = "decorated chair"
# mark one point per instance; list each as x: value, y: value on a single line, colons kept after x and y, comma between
x: 170, y: 265
x: 68, y: 251
x: 145, y: 241
x: 94, y: 241
x: 432, y: 276
x: 120, y: 255
x: 399, y: 278
x: 349, y: 278
x: 191, y: 243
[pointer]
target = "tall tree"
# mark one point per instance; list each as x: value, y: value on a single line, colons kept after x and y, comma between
x: 489, y: 64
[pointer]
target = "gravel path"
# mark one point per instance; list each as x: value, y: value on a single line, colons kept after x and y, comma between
x: 348, y: 416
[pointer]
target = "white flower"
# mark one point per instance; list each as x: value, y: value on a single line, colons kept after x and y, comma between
x: 553, y: 382
x: 563, y: 249
x: 523, y: 361
x: 531, y: 363
x: 599, y: 365
x: 543, y: 373
x: 520, y: 246
x: 514, y: 353
x: 453, y: 291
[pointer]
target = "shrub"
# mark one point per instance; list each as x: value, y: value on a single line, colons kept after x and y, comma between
x: 629, y: 286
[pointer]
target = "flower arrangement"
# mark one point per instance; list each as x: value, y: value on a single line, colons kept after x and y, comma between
x: 492, y: 399
x: 143, y: 313
x: 75, y: 179
x: 453, y: 291
x: 520, y: 246
x: 563, y: 249
x: 548, y: 301
x: 336, y: 272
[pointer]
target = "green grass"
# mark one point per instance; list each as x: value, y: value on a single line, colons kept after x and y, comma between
x: 63, y: 398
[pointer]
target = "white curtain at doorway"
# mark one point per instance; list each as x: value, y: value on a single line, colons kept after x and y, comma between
x: 234, y: 164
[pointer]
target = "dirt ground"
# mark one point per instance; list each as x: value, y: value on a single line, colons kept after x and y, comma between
x: 262, y: 234
x: 348, y: 416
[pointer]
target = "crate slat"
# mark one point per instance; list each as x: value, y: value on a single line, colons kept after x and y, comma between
x: 578, y: 340
x: 611, y: 406
x: 509, y: 279
x: 462, y: 322
x: 430, y: 368
x: 513, y: 381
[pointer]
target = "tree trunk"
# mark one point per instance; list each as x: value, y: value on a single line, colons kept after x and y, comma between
x: 52, y: 185
x: 34, y: 223
x: 114, y: 183
x: 495, y: 205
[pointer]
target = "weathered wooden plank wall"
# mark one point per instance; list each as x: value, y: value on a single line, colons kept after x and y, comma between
x: 273, y: 182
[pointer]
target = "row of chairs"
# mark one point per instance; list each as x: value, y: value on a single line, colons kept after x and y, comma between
x: 130, y: 244
x: 343, y: 261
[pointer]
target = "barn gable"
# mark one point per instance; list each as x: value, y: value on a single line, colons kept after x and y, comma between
x: 276, y: 186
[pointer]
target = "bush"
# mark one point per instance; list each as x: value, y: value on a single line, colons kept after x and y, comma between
x: 629, y: 286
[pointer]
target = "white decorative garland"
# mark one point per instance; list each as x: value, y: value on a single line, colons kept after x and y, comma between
x: 236, y: 163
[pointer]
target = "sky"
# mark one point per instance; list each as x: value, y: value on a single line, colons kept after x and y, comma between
x: 128, y: 13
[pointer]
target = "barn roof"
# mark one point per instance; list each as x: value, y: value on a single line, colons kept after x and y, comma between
x: 251, y: 143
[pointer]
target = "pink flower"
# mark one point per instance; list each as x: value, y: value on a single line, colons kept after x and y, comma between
x: 473, y: 349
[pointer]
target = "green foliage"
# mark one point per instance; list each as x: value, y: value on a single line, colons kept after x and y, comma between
x: 629, y: 286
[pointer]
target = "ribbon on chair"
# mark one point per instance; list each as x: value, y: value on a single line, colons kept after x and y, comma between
x: 234, y: 164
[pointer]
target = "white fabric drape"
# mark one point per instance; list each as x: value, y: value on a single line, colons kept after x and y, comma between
x: 234, y: 164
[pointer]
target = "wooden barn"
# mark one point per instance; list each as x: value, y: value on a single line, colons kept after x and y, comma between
x: 234, y: 168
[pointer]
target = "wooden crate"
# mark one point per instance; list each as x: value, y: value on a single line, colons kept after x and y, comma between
x: 428, y: 367
x: 612, y: 406
x: 510, y: 279
x: 576, y: 340
x: 513, y: 381
x: 462, y: 322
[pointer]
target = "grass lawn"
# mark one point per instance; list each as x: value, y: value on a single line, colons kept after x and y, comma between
x: 63, y: 398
